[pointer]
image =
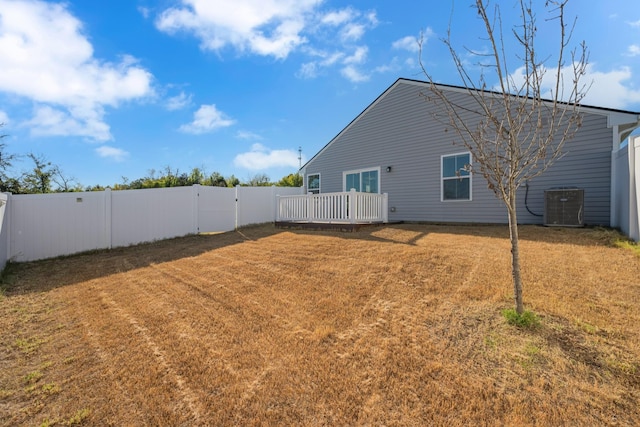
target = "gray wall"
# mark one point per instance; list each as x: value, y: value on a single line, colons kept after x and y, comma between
x: 398, y: 130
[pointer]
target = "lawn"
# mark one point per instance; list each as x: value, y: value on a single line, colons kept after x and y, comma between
x: 398, y: 325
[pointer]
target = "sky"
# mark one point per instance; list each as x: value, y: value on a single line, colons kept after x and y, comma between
x: 111, y: 90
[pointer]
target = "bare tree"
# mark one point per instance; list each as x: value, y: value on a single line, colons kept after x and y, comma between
x: 6, y: 162
x: 5, y: 159
x: 518, y: 127
x: 259, y: 180
x: 64, y: 182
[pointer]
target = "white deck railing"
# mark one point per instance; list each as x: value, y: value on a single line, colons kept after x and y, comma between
x: 346, y: 207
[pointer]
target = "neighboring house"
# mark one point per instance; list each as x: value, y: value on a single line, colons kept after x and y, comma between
x: 395, y: 146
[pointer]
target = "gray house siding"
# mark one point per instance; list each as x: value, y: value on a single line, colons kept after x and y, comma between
x: 586, y: 164
x: 399, y: 130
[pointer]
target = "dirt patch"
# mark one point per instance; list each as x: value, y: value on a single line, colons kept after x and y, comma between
x: 396, y: 325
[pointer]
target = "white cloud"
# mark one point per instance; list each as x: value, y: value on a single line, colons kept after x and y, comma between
x: 308, y: 70
x: 260, y: 158
x: 348, y: 63
x: 408, y: 43
x: 611, y: 89
x: 392, y: 66
x: 353, y: 74
x: 352, y: 32
x: 350, y: 71
x: 4, y: 118
x: 275, y: 28
x: 312, y: 69
x: 635, y: 23
x: 411, y: 63
x: 207, y: 119
x: 352, y: 24
x: 178, y: 102
x: 338, y: 17
x: 372, y: 18
x: 358, y: 57
x: 245, y: 134
x: 50, y: 121
x: 47, y: 58
x: 411, y: 43
x: 144, y: 11
x: 331, y: 59
x: 116, y: 154
x: 633, y: 50
x: 265, y: 27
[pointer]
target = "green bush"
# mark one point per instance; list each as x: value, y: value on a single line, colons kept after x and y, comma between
x: 528, y: 319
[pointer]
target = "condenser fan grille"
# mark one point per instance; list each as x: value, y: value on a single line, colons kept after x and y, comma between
x: 564, y: 207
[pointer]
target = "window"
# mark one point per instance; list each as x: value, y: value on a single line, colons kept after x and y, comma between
x: 456, y: 177
x: 313, y: 183
x: 366, y: 180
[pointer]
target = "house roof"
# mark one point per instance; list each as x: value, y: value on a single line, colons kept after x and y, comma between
x: 627, y: 120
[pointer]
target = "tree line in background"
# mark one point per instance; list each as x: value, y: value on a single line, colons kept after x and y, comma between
x: 169, y: 177
x: 46, y: 177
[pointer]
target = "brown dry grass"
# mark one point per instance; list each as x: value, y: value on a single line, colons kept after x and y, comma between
x: 397, y: 325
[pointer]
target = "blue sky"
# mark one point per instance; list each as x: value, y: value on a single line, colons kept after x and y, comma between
x: 112, y: 89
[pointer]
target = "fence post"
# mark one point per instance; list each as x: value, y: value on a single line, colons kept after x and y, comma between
x: 237, y: 207
x: 7, y: 226
x: 195, y: 194
x: 277, y: 208
x: 353, y: 205
x: 108, y: 225
x: 272, y: 201
x: 385, y: 207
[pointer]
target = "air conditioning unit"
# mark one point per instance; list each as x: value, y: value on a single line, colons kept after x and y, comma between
x: 564, y: 207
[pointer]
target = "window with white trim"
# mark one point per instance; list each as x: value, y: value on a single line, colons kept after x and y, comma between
x: 364, y: 180
x: 456, y: 177
x: 313, y: 183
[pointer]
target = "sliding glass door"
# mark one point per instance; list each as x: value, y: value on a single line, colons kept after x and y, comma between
x: 365, y: 180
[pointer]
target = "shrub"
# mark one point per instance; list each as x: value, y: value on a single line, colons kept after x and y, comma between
x: 528, y: 319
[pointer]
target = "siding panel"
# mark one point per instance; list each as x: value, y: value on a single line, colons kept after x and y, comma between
x: 399, y: 131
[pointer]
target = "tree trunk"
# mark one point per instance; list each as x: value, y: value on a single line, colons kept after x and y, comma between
x: 515, y: 254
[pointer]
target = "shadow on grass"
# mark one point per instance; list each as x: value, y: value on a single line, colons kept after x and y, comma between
x: 411, y: 233
x: 601, y: 357
x: 42, y: 276
x: 45, y: 275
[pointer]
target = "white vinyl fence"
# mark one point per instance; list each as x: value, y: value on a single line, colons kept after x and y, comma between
x: 43, y: 226
x: 626, y: 213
